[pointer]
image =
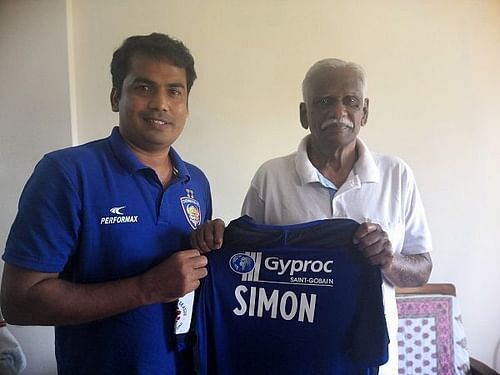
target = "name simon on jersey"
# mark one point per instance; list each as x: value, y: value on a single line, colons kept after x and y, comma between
x: 289, y: 305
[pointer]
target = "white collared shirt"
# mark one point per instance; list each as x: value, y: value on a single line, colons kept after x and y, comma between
x: 379, y: 189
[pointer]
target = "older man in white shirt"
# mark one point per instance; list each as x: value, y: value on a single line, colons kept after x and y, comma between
x: 333, y: 174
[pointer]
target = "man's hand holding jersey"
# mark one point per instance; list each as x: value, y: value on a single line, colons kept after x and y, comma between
x: 208, y: 236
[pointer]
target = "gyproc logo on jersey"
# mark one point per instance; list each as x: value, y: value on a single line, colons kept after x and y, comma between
x: 282, y: 270
x: 119, y: 217
x: 257, y: 301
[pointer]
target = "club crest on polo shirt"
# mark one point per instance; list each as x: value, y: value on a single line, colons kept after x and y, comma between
x: 191, y: 208
x: 119, y: 216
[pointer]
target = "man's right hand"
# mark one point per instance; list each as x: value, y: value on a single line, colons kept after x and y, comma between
x: 208, y: 236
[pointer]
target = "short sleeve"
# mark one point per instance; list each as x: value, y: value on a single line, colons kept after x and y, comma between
x: 46, y: 227
x: 417, y: 238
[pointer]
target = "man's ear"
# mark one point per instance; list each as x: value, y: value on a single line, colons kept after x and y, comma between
x: 115, y: 99
x: 365, y: 112
x: 303, y: 115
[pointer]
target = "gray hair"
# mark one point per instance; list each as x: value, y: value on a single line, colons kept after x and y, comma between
x: 331, y: 64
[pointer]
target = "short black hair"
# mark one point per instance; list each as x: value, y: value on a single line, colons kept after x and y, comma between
x: 155, y: 45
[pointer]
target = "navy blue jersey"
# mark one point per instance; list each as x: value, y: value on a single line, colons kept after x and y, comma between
x: 294, y: 299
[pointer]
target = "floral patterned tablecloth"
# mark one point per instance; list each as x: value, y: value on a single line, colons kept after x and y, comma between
x: 431, y: 337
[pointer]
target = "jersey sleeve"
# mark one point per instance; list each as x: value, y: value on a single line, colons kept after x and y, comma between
x: 45, y: 230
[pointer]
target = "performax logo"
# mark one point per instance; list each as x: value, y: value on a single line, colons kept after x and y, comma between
x: 119, y: 218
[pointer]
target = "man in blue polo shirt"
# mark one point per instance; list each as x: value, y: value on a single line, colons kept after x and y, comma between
x: 100, y: 245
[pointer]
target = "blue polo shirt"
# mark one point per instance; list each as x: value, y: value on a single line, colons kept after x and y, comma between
x: 95, y: 213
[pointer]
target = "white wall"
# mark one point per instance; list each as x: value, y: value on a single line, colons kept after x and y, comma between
x: 34, y: 119
x: 433, y: 84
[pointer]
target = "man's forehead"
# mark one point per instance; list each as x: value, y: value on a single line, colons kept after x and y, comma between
x: 341, y: 78
x: 140, y: 59
x: 145, y: 67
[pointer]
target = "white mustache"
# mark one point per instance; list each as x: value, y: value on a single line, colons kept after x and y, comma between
x: 335, y: 122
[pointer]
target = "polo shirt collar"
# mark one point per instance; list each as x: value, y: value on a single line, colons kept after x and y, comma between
x: 305, y: 169
x: 365, y: 167
x: 180, y: 168
x: 131, y: 163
